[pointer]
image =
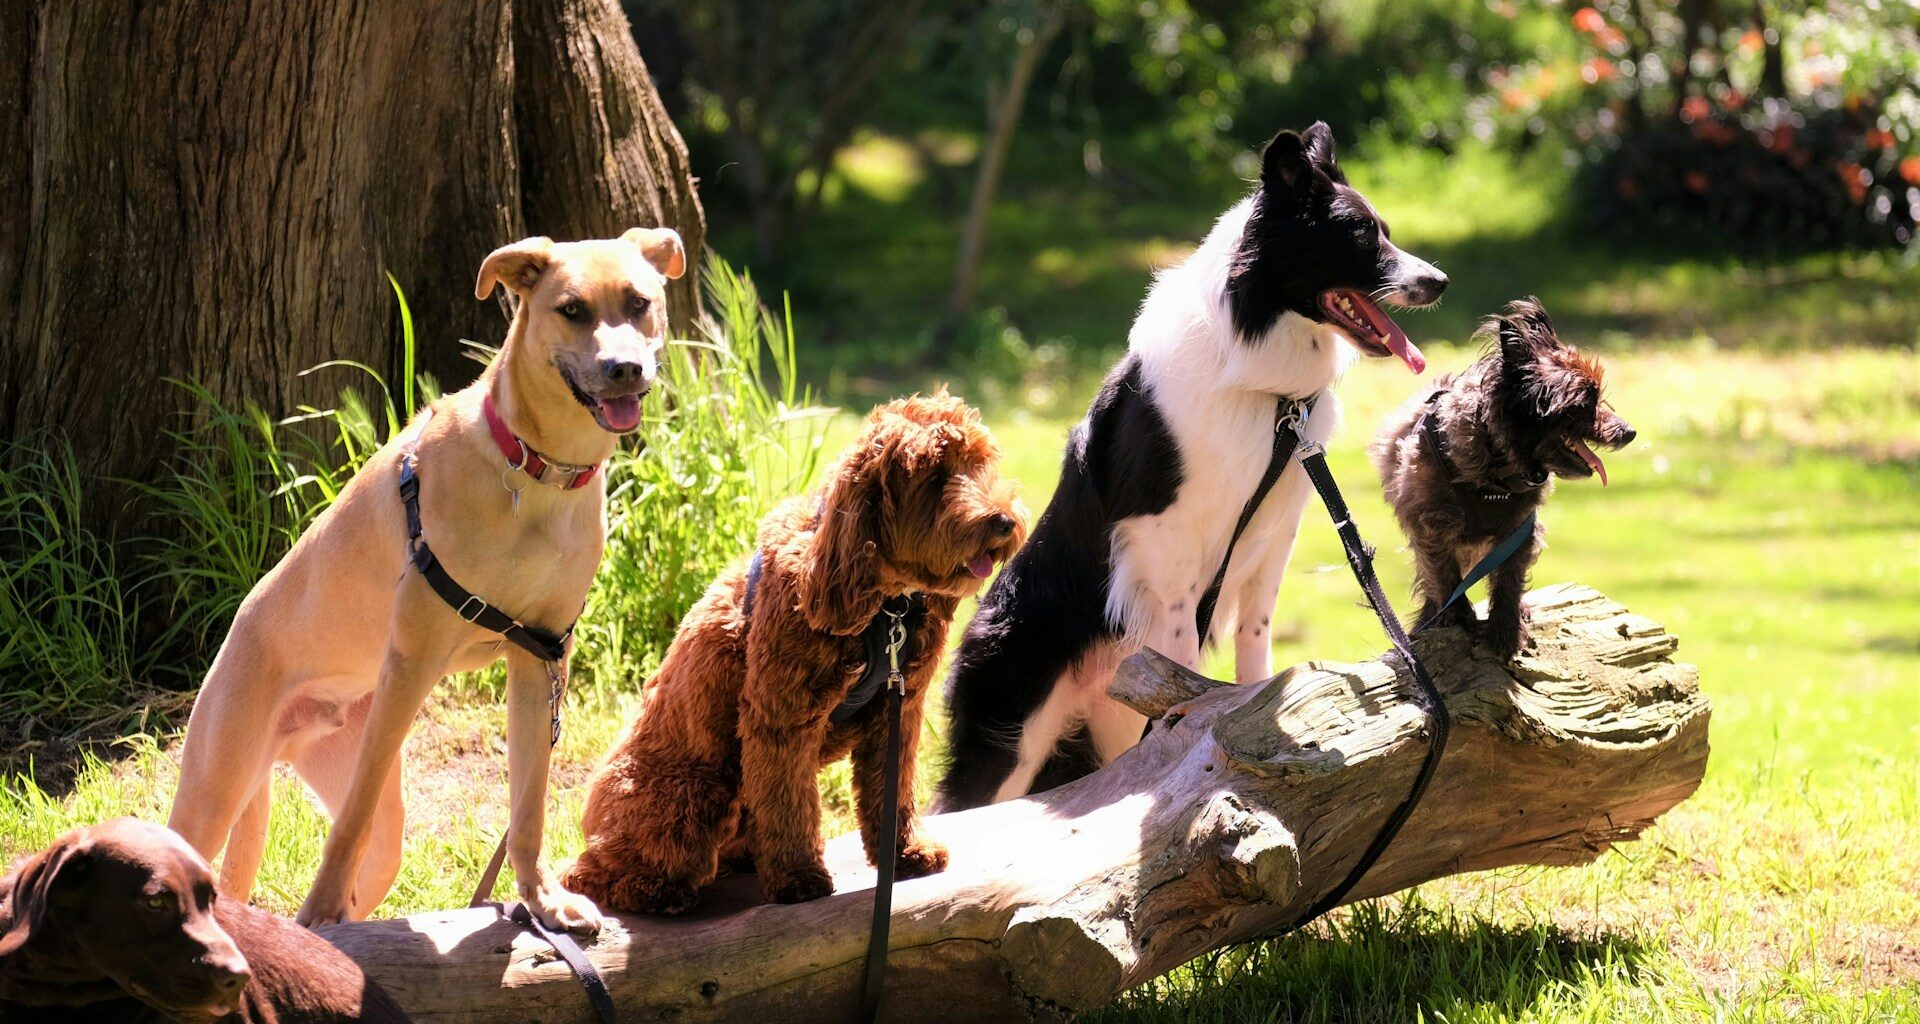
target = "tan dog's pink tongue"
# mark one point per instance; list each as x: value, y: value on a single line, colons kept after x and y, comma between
x: 622, y: 413
x: 1593, y: 461
x: 981, y: 566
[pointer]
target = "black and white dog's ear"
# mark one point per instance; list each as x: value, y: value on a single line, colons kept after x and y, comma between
x: 1297, y: 163
x: 1319, y: 143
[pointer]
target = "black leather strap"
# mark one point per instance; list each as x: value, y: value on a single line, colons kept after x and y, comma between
x: 875, y: 973
x: 575, y: 959
x: 548, y: 647
x: 1288, y: 414
x: 1439, y: 723
x: 540, y: 643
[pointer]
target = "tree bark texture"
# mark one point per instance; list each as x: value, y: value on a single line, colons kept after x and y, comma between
x: 1240, y: 808
x: 215, y: 192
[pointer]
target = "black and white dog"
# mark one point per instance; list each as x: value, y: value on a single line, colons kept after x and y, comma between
x: 1274, y: 302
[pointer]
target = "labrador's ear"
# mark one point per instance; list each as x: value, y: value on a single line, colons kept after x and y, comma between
x: 63, y: 865
x: 518, y: 266
x: 662, y: 247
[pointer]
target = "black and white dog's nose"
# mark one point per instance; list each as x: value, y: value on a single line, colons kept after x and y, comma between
x: 1426, y: 287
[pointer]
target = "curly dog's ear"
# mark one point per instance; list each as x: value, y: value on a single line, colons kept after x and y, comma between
x: 840, y: 583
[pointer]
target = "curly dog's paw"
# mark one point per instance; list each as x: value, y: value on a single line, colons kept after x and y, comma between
x: 798, y: 886
x: 920, y: 857
x: 635, y: 890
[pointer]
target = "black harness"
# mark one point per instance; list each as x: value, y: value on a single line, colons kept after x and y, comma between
x: 891, y: 639
x: 551, y: 649
x: 1289, y: 426
x: 1521, y: 480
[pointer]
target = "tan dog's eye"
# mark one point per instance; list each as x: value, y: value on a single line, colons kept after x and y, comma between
x: 637, y: 307
x: 574, y: 311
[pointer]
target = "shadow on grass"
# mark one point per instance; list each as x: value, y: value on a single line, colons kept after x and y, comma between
x: 1386, y: 962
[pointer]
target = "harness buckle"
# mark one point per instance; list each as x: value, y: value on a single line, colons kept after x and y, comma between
x: 472, y: 599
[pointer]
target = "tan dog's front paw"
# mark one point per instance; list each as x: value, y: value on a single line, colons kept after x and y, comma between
x: 798, y: 886
x: 920, y: 857
x: 560, y: 910
x: 321, y: 909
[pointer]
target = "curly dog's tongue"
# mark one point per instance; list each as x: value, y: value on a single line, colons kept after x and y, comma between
x: 981, y: 566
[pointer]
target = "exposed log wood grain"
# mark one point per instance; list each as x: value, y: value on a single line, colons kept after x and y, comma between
x: 1235, y: 813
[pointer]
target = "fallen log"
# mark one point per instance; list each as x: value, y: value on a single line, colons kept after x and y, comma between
x: 1243, y: 806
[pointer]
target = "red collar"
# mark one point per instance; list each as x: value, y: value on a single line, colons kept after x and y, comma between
x: 521, y: 456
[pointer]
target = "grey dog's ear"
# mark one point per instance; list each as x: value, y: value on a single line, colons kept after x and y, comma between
x: 662, y: 247
x: 518, y: 266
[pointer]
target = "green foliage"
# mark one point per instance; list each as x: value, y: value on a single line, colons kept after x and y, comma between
x: 728, y: 434
x: 66, y: 615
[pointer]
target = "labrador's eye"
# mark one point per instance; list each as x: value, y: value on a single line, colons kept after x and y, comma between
x: 574, y: 311
x: 637, y: 308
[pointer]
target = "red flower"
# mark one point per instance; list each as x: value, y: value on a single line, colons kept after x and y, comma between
x: 1910, y: 170
x: 1697, y: 182
x: 1597, y: 70
x: 1694, y: 108
x: 1879, y: 138
x: 1586, y: 19
x: 1855, y: 177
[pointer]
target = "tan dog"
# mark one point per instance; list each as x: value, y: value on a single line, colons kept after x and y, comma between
x: 333, y: 652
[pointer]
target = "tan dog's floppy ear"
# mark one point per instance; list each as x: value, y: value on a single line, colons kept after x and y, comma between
x: 840, y: 582
x: 518, y: 266
x: 33, y: 883
x: 662, y: 247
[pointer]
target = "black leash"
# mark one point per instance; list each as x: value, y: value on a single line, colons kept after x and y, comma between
x: 551, y: 649
x: 1313, y: 458
x: 889, y: 641
x: 1288, y: 418
x: 1289, y: 426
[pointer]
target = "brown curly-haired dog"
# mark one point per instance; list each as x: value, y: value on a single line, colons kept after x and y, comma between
x: 723, y: 756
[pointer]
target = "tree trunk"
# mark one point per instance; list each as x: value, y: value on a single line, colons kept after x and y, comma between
x: 1243, y: 805
x: 215, y: 192
x: 993, y: 160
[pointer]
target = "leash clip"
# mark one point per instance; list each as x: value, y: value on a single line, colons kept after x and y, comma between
x: 1308, y: 449
x: 896, y: 640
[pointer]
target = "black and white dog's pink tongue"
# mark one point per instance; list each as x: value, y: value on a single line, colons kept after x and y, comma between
x: 1593, y: 461
x: 622, y: 413
x: 981, y: 566
x: 1390, y: 333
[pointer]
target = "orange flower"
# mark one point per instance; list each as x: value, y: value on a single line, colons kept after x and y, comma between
x: 1697, y: 182
x: 1586, y: 19
x: 1751, y: 40
x: 1855, y: 178
x: 1879, y: 138
x: 1910, y: 170
x: 1597, y: 70
x: 1694, y: 108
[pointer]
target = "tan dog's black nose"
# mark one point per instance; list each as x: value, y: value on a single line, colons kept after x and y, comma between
x: 621, y: 371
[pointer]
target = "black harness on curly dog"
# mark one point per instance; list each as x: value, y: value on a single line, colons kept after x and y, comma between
x: 891, y: 640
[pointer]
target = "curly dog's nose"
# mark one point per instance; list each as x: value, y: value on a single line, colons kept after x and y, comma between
x: 1002, y: 524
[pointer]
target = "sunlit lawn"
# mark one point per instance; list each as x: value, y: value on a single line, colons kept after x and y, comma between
x: 1769, y: 515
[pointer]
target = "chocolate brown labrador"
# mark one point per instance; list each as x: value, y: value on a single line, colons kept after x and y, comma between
x: 120, y: 922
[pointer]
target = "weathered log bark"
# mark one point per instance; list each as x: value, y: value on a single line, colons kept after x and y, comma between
x: 215, y: 192
x: 1233, y: 816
